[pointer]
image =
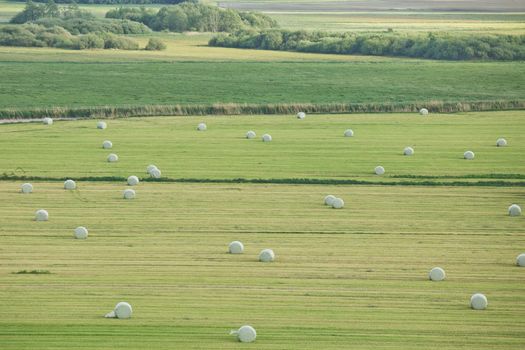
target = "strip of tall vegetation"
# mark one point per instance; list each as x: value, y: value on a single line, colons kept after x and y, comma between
x: 48, y: 25
x: 440, y: 46
x: 194, y: 17
x: 120, y: 2
x: 246, y: 109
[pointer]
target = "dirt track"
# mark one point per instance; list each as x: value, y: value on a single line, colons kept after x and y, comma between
x: 382, y: 5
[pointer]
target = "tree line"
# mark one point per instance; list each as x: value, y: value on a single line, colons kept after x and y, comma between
x: 47, y: 25
x: 441, y: 46
x: 197, y: 17
x: 119, y: 2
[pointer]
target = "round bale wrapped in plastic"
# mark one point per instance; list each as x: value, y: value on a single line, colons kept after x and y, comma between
x: 26, y: 188
x: 70, y: 184
x: 81, y: 232
x: 101, y: 125
x: 436, y: 274
x: 379, y: 170
x: 133, y: 180
x: 338, y: 203
x: 514, y: 210
x: 122, y: 310
x: 107, y: 144
x: 128, y: 193
x: 349, y: 133
x: 408, y: 151
x: 250, y: 135
x: 469, y: 155
x: 266, y: 255
x: 245, y: 334
x: 41, y: 215
x: 267, y: 138
x: 202, y: 127
x: 112, y: 158
x: 236, y: 247
x: 478, y: 301
x: 501, y: 142
x: 423, y: 111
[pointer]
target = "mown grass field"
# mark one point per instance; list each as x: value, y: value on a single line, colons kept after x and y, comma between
x: 354, y: 278
x: 311, y: 148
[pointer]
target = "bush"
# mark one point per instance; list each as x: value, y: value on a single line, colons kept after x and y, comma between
x: 434, y: 46
x: 155, y: 44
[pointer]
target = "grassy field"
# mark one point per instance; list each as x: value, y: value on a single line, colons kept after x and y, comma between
x: 354, y: 278
x: 48, y: 84
x: 312, y: 148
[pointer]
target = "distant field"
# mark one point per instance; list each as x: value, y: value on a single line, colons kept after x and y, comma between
x: 313, y: 148
x: 354, y: 278
x: 47, y: 84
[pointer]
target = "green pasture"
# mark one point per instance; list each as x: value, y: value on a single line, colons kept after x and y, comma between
x: 314, y: 148
x: 49, y: 84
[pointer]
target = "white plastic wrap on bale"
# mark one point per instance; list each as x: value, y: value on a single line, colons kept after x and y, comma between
x: 437, y: 274
x: 514, y: 210
x: 520, y: 260
x: 41, y: 215
x: 250, y: 135
x: 338, y: 203
x: 501, y: 142
x: 128, y: 193
x: 267, y: 138
x: 26, y: 188
x: 379, y: 170
x: 349, y: 133
x: 101, y: 125
x: 408, y: 151
x: 236, y: 247
x: 122, y: 310
x: 112, y: 157
x: 133, y: 180
x: 469, y: 155
x: 81, y: 232
x: 47, y: 121
x: 245, y: 334
x: 70, y: 184
x: 301, y: 115
x: 150, y: 168
x: 266, y: 255
x: 329, y: 200
x: 202, y: 127
x: 423, y: 111
x: 478, y: 302
x: 156, y: 173
x: 107, y: 144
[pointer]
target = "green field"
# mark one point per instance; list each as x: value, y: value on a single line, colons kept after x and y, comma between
x: 350, y: 278
x: 49, y: 84
x: 312, y: 148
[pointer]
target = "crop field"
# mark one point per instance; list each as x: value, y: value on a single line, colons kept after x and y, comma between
x: 355, y: 277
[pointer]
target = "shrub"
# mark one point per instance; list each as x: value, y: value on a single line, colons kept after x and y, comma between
x: 155, y: 44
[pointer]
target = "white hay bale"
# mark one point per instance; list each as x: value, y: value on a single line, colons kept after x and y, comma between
x: 112, y: 158
x: 150, y: 168
x: 41, y: 215
x: 133, y: 180
x: 128, y: 193
x: 520, y: 260
x: 81, y: 232
x: 245, y: 334
x: 423, y: 111
x: 107, y: 144
x: 47, y: 121
x: 478, y: 302
x: 437, y: 274
x: 349, y: 133
x: 26, y: 188
x: 267, y: 138
x: 122, y: 310
x: 301, y: 115
x: 338, y: 203
x: 329, y: 200
x: 156, y: 173
x: 102, y: 125
x: 408, y: 151
x: 469, y: 155
x: 514, y: 210
x: 501, y: 142
x: 202, y: 127
x: 236, y: 247
x: 379, y: 170
x: 70, y: 184
x: 251, y: 134
x: 266, y: 255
